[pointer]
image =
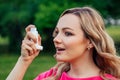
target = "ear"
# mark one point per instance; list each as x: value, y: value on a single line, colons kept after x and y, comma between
x: 90, y: 45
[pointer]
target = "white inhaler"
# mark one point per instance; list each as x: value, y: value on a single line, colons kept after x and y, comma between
x: 35, y: 32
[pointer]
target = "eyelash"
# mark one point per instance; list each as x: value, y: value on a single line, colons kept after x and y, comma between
x: 65, y: 33
x: 55, y: 34
x: 68, y: 34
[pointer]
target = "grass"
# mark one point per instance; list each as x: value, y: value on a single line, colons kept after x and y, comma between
x: 40, y: 64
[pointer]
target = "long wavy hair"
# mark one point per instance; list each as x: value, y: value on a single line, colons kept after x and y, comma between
x: 104, y: 52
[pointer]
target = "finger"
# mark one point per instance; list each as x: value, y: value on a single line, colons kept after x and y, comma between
x: 26, y: 50
x: 29, y: 27
x: 30, y: 44
x: 37, y: 53
x: 30, y: 36
x: 30, y: 49
x: 39, y: 39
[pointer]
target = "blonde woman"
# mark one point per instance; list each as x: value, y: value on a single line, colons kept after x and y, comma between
x: 84, y: 50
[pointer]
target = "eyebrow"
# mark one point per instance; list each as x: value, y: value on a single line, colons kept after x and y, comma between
x: 65, y: 28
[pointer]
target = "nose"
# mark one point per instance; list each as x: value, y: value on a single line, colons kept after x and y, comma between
x: 57, y: 39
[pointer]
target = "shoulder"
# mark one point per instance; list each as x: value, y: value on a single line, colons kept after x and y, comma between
x: 46, y: 74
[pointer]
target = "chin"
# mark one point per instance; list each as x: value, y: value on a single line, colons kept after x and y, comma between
x: 60, y: 58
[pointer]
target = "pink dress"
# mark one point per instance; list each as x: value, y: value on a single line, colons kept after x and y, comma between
x: 64, y: 76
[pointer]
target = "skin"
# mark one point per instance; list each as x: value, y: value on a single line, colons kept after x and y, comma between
x: 69, y: 36
x: 28, y: 53
x: 71, y: 46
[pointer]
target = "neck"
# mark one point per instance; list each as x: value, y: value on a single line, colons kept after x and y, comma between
x: 84, y: 67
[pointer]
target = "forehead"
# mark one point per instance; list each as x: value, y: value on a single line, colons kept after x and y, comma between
x: 68, y: 20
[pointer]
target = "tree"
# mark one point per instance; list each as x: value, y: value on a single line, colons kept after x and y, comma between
x: 15, y: 16
x: 114, y: 9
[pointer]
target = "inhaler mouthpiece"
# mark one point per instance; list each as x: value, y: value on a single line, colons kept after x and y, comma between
x: 39, y: 47
x: 35, y: 32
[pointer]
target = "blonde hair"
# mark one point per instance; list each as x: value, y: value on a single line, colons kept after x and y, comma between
x: 104, y: 53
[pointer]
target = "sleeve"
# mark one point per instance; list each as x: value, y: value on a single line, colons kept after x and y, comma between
x: 45, y: 74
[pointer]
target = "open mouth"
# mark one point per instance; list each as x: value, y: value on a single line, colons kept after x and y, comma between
x: 60, y: 50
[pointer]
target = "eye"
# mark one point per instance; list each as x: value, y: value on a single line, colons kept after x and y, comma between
x: 68, y: 34
x: 55, y: 33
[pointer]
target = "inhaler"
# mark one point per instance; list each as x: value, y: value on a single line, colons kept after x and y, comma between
x: 35, y: 32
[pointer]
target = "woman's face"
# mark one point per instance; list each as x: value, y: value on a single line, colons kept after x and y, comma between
x: 69, y: 39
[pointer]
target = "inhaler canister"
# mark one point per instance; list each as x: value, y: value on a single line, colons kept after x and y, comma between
x: 35, y: 32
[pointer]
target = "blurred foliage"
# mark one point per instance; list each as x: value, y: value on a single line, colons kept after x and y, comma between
x: 15, y: 15
x: 114, y: 32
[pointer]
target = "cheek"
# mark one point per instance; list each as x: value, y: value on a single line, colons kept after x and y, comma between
x: 76, y: 45
x: 69, y: 43
x: 72, y: 42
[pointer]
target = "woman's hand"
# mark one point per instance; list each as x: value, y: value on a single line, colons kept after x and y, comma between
x: 28, y: 53
x: 28, y: 48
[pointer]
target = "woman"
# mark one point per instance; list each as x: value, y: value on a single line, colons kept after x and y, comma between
x: 84, y: 50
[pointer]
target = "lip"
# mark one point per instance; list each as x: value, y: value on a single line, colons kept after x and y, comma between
x: 59, y: 50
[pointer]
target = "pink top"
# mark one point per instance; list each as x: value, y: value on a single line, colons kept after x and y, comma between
x: 64, y: 76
